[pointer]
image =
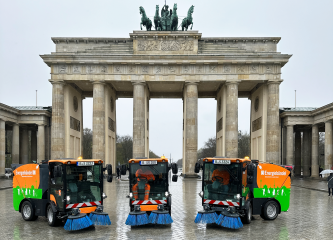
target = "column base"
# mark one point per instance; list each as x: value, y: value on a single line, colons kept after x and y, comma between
x: 190, y: 175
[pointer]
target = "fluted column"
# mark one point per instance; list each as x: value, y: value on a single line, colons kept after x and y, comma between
x: 306, y: 156
x: 33, y: 145
x: 98, y: 121
x: 58, y: 121
x: 16, y: 144
x: 273, y: 128
x: 139, y: 121
x: 24, y: 146
x: 231, y: 131
x: 290, y: 145
x: 191, y: 127
x: 328, y: 145
x: 2, y: 147
x: 298, y: 153
x: 41, y: 142
x: 314, y: 152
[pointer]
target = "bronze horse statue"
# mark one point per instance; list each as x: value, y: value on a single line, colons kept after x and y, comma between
x: 174, y: 18
x: 157, y: 19
x: 145, y: 21
x: 188, y: 20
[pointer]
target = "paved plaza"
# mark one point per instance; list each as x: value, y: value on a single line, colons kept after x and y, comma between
x: 310, y: 216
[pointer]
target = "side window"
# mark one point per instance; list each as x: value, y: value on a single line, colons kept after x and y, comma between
x: 56, y: 174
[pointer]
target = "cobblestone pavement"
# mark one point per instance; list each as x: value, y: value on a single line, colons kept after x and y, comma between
x: 309, y: 217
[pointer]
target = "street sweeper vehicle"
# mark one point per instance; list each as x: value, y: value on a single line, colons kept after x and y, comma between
x: 63, y: 189
x: 149, y: 197
x: 234, y: 189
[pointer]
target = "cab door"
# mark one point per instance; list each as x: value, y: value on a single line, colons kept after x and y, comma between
x: 56, y: 184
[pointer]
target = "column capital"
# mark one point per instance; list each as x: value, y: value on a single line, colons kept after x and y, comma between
x: 97, y: 82
x: 138, y: 83
x: 232, y: 82
x: 57, y: 82
x: 274, y: 82
x: 191, y: 83
x: 329, y: 121
x: 41, y: 124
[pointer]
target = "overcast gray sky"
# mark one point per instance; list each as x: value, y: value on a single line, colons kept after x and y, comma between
x: 306, y: 28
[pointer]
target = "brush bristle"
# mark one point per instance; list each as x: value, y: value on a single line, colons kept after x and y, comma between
x: 229, y: 222
x: 100, y: 219
x: 206, y: 218
x: 137, y: 219
x: 160, y: 218
x: 77, y: 223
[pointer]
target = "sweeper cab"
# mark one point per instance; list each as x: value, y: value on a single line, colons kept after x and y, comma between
x: 234, y: 189
x: 149, y: 195
x: 63, y: 189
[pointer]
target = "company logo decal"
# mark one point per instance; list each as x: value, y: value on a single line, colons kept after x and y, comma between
x: 276, y: 173
x: 26, y: 173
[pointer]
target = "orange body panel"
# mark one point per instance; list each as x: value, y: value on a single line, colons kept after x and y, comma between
x: 52, y: 198
x: 26, y: 176
x: 87, y: 209
x: 74, y: 161
x: 272, y: 175
x: 148, y: 207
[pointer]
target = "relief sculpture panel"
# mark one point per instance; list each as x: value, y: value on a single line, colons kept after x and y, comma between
x: 165, y: 45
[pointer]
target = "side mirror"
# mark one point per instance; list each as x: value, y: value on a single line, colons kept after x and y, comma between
x: 174, y: 168
x: 123, y: 169
x: 175, y: 178
x: 197, y: 167
x: 249, y: 179
x: 109, y: 169
x: 250, y: 169
x: 109, y: 178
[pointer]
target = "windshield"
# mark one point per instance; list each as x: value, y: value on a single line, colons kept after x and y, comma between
x: 149, y: 182
x: 222, y: 182
x: 83, y: 183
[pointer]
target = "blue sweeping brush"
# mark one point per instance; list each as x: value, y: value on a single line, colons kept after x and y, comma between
x: 99, y: 217
x: 160, y: 217
x: 77, y: 221
x: 229, y: 219
x: 206, y: 216
x: 137, y: 218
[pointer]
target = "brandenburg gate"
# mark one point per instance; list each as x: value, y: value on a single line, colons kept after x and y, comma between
x: 165, y: 64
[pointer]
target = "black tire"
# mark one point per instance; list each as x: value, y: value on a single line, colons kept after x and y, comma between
x: 28, y: 211
x: 51, y: 216
x: 270, y: 211
x: 248, y: 215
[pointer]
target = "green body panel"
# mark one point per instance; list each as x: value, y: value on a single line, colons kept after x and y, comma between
x: 20, y: 193
x: 280, y: 194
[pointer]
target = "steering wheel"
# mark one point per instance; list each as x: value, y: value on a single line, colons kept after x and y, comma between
x: 142, y: 178
x: 220, y: 179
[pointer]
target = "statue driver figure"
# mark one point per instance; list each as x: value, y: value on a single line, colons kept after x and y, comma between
x: 165, y: 11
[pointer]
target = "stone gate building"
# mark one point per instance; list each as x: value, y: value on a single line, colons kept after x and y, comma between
x: 152, y: 64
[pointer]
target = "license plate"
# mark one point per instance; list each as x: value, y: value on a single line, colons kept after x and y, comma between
x: 82, y: 164
x: 148, y: 162
x: 221, y: 161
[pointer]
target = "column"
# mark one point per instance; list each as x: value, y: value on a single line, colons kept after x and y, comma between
x: 139, y: 121
x: 290, y: 145
x: 314, y: 152
x: 16, y: 144
x: 191, y: 128
x: 24, y: 146
x: 58, y: 121
x: 273, y: 128
x: 298, y: 153
x: 98, y: 121
x: 47, y: 142
x: 328, y: 145
x: 231, y: 123
x: 306, y: 156
x: 33, y: 145
x: 2, y: 147
x: 41, y: 142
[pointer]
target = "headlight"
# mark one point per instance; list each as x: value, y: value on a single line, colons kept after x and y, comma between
x: 131, y: 195
x: 166, y: 194
x: 68, y: 198
x: 201, y: 194
x: 238, y: 196
x: 104, y: 196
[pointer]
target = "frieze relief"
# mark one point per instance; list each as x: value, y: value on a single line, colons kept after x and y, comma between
x: 91, y: 69
x: 76, y: 69
x: 186, y: 45
x: 62, y: 69
x: 117, y: 69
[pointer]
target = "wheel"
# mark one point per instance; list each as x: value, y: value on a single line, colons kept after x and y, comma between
x: 270, y: 210
x: 51, y: 216
x: 248, y: 215
x: 27, y: 211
